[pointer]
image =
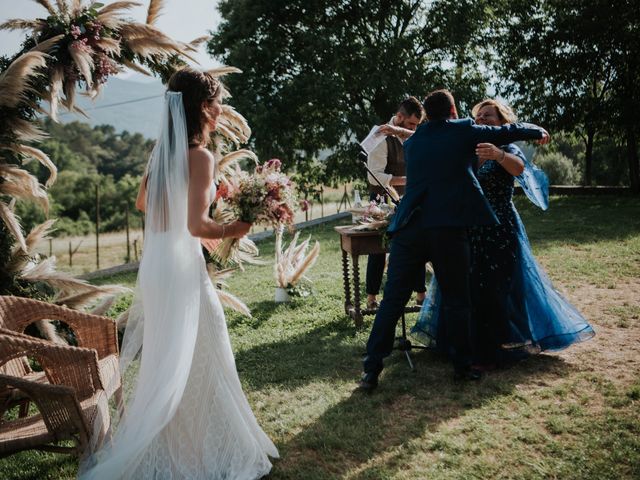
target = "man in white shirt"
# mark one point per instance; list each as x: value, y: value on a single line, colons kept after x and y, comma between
x: 386, y: 161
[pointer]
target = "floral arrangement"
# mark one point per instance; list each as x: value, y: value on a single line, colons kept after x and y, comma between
x: 293, y: 262
x: 264, y: 197
x: 375, y: 216
x: 85, y: 44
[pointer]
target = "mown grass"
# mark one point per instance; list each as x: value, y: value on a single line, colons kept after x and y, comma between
x: 568, y: 415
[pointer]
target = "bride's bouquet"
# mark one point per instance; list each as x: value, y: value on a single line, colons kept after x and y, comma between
x: 265, y: 197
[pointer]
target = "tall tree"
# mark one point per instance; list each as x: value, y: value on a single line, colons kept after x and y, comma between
x: 563, y: 63
x: 624, y: 32
x: 319, y: 73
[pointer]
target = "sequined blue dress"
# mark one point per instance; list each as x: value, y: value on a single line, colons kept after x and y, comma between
x: 516, y: 309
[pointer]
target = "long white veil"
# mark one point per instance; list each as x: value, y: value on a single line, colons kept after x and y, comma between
x: 163, y: 321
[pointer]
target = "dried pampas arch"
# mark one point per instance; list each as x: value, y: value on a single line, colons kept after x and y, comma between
x: 79, y: 44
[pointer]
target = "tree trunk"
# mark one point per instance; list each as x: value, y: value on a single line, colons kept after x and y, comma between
x: 632, y: 158
x: 588, y: 157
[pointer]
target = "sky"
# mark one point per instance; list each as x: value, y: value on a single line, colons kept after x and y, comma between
x: 182, y: 20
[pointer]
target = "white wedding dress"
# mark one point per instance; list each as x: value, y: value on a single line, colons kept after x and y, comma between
x: 186, y: 416
x: 213, y: 434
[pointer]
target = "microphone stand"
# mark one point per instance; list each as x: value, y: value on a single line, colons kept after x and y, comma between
x: 363, y: 158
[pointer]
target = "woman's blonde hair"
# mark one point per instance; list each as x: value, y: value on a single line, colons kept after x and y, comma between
x: 505, y: 114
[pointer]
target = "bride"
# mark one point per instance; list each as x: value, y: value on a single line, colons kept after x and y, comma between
x: 187, y: 416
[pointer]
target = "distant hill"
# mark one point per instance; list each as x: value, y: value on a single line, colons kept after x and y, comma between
x: 125, y: 104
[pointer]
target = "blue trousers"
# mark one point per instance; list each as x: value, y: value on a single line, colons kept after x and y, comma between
x: 375, y: 267
x: 411, y: 247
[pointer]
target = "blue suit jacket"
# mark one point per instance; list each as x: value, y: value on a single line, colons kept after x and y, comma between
x: 441, y: 184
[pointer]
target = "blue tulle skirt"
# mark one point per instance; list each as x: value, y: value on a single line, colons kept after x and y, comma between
x: 540, y: 318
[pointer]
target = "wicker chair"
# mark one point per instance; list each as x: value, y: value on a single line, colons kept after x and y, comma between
x: 72, y: 406
x: 91, y: 331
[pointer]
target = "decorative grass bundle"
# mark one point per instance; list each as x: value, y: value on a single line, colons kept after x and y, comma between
x: 292, y: 262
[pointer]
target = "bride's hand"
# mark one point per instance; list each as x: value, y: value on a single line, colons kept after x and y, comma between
x: 210, y: 243
x: 237, y: 229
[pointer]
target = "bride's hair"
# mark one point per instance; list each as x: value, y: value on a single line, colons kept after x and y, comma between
x: 196, y: 88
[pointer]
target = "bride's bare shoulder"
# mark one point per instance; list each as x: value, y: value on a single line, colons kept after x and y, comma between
x: 200, y: 159
x: 200, y: 154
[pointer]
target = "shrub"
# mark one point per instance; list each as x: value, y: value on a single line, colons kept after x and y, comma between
x: 65, y: 226
x: 559, y: 168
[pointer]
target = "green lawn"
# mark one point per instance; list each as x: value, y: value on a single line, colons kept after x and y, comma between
x: 568, y: 415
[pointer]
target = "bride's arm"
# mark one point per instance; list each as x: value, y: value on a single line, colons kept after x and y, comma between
x: 200, y: 180
x: 142, y: 194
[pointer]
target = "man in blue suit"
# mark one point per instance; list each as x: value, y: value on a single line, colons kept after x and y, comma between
x: 442, y: 199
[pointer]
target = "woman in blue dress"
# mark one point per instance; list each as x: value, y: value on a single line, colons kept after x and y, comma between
x: 516, y: 309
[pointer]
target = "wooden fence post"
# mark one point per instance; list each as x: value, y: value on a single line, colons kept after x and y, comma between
x: 97, y: 227
x: 72, y: 252
x: 126, y: 216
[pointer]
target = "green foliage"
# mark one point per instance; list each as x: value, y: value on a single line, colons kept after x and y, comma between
x: 81, y: 226
x: 318, y: 75
x: 571, y: 65
x: 88, y: 157
x: 78, y: 146
x: 558, y: 168
x: 309, y: 178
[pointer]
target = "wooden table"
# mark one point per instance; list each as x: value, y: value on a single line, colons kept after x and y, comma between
x: 356, y: 243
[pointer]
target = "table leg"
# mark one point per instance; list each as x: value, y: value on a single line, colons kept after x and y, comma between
x: 357, y: 314
x: 347, y: 283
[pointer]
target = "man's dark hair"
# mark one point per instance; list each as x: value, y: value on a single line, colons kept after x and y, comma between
x: 438, y: 105
x: 411, y: 106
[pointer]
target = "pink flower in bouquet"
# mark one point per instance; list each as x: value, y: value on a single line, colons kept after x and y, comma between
x: 273, y: 164
x: 283, y: 214
x: 274, y: 193
x: 95, y: 29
